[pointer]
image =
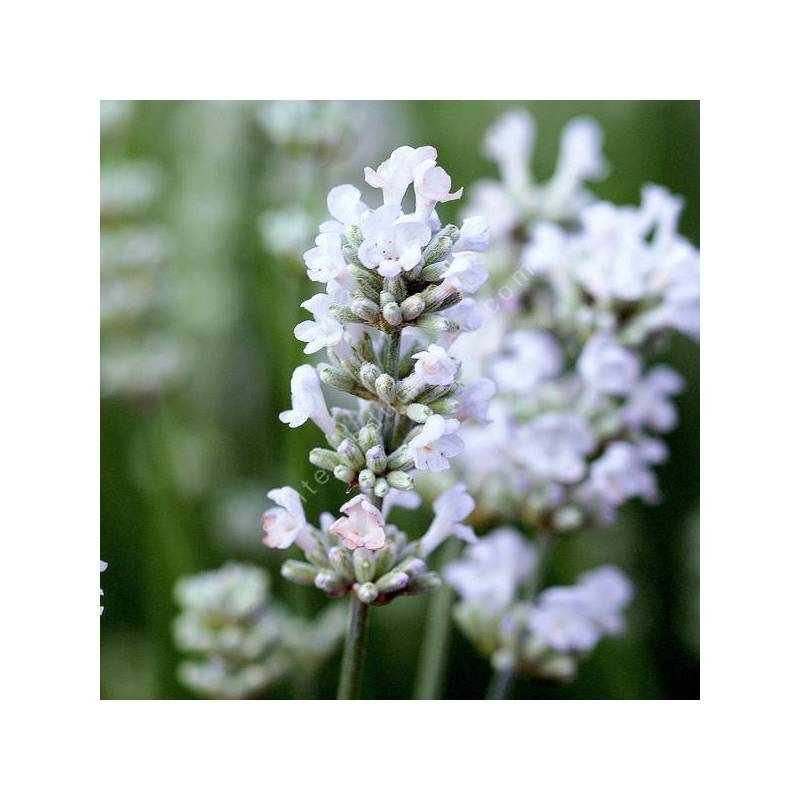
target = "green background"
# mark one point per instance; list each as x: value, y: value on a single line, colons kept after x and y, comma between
x: 184, y: 474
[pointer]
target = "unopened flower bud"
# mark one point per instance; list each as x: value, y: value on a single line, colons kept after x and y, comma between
x: 365, y: 309
x: 410, y: 387
x: 366, y: 479
x: 434, y: 272
x: 412, y: 307
x: 418, y: 412
x: 354, y: 235
x: 440, y: 248
x: 385, y: 557
x: 434, y: 324
x: 351, y: 454
x: 299, y: 572
x: 360, y: 272
x: 368, y: 373
x: 324, y: 459
x: 385, y: 388
x: 367, y: 287
x: 341, y: 560
x: 367, y: 593
x: 402, y: 458
x: 381, y: 488
x: 336, y: 377
x: 329, y: 581
x: 343, y: 314
x: 412, y: 566
x: 400, y: 480
x: 424, y: 582
x: 364, y: 565
x: 369, y: 436
x: 392, y: 314
x: 344, y: 474
x: 393, y: 581
x: 440, y: 297
x: 445, y: 406
x: 386, y: 298
x: 376, y: 459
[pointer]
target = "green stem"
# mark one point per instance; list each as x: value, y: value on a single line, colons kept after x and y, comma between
x: 503, y: 681
x: 436, y: 642
x: 355, y: 650
x: 391, y: 362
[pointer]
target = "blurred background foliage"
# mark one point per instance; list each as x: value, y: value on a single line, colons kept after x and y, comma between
x: 198, y: 306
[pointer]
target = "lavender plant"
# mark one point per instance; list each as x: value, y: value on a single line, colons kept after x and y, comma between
x: 240, y: 641
x: 583, y: 295
x: 394, y: 303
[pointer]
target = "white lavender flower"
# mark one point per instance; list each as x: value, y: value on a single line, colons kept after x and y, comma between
x: 394, y: 304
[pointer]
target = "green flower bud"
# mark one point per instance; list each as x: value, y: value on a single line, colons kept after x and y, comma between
x: 367, y: 374
x: 392, y: 314
x: 344, y: 474
x: 445, y: 406
x: 366, y: 479
x: 381, y: 488
x: 369, y: 436
x: 324, y: 459
x: 342, y: 561
x: 400, y: 459
x: 386, y: 298
x: 366, y: 310
x: 367, y: 593
x: 434, y: 272
x: 385, y: 388
x: 385, y: 557
x: 425, y: 582
x: 355, y: 236
x: 393, y: 581
x: 376, y: 459
x: 412, y: 307
x: 400, y: 480
x: 434, y: 324
x: 409, y: 388
x: 367, y: 287
x: 329, y: 581
x: 351, y: 454
x: 418, y: 412
x: 336, y: 377
x: 299, y: 572
x: 360, y: 272
x: 412, y: 566
x: 364, y: 565
x: 343, y: 314
x: 439, y: 248
x: 435, y: 297
x: 396, y: 287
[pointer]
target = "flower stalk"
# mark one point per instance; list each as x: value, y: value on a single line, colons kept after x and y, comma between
x: 355, y: 651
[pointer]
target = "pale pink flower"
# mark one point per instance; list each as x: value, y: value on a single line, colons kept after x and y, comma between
x: 363, y: 525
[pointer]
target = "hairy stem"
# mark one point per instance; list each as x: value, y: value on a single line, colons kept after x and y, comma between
x: 436, y: 643
x: 391, y: 361
x: 355, y: 650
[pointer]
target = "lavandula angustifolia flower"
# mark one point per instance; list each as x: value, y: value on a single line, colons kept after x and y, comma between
x: 394, y: 282
x: 240, y: 641
x: 583, y: 293
x: 542, y: 634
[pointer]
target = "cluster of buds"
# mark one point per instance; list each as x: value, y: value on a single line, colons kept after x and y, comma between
x: 360, y: 552
x: 395, y: 301
x: 584, y: 293
x: 241, y: 641
x: 545, y: 636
